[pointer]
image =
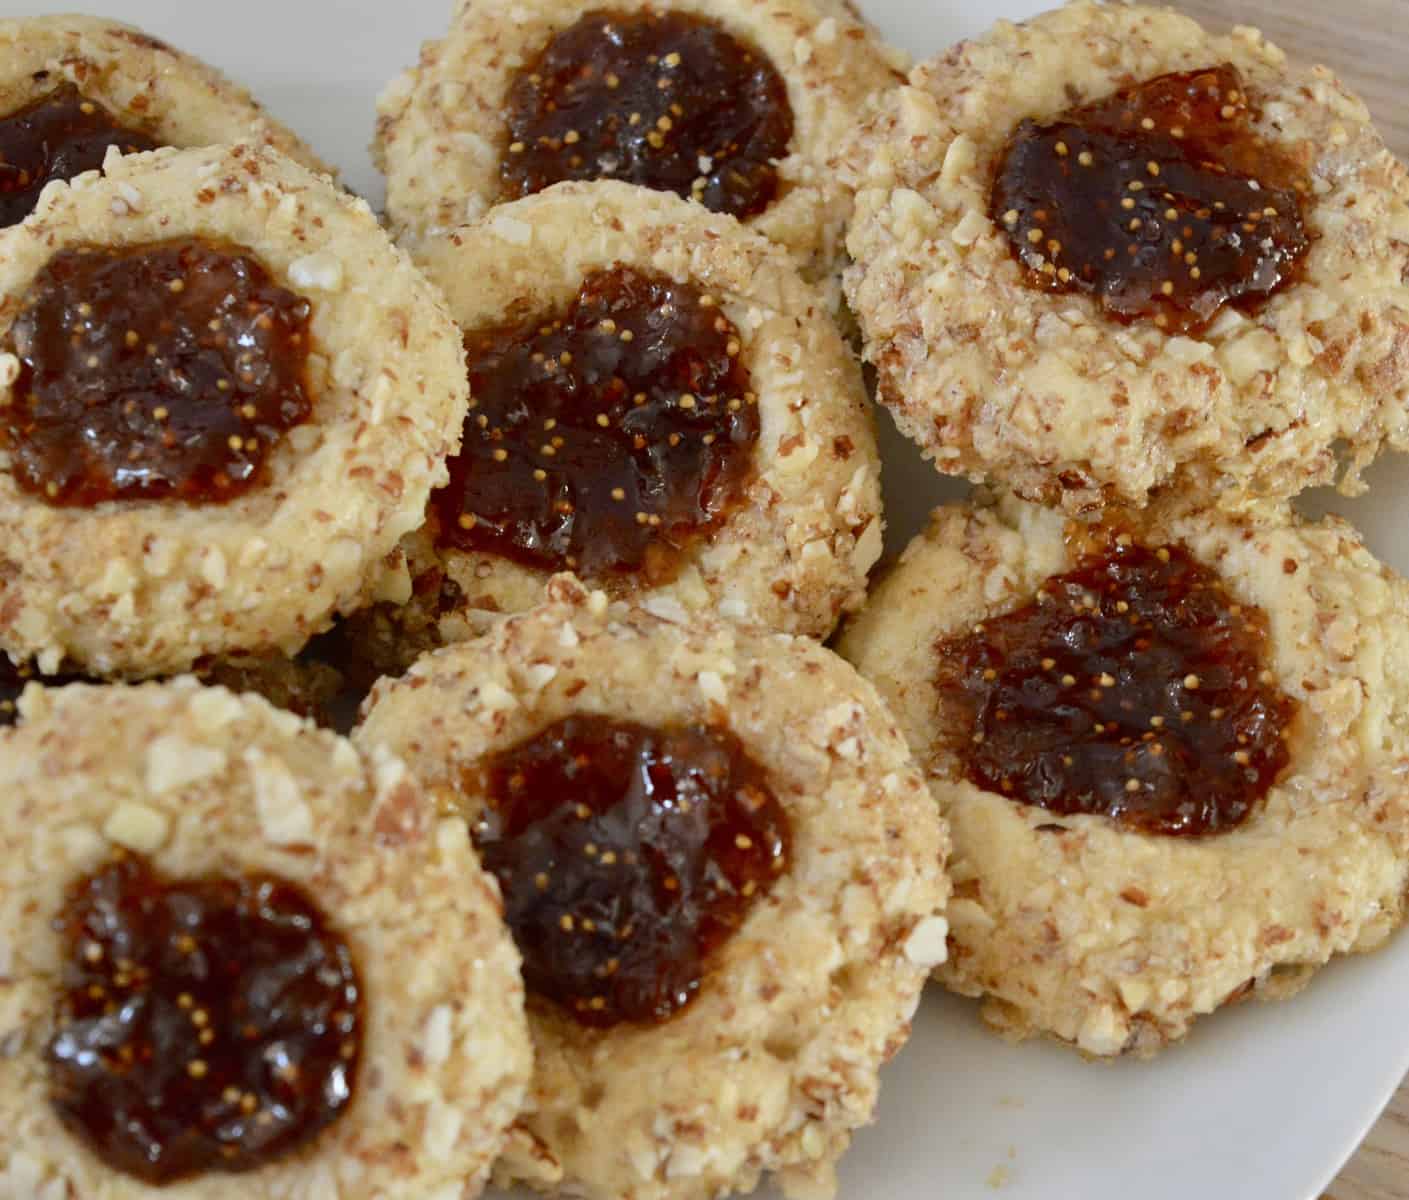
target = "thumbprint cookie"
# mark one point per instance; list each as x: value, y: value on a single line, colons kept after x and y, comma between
x: 1105, y: 248
x: 1172, y: 749
x: 659, y: 404
x: 738, y: 106
x: 723, y: 871
x: 71, y: 87
x: 241, y: 959
x: 225, y: 397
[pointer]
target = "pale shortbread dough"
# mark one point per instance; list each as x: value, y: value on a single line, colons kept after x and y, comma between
x: 440, y: 126
x: 1116, y: 941
x: 202, y: 782
x: 774, y: 1063
x: 794, y: 555
x: 1043, y: 393
x: 148, y: 587
x: 143, y: 82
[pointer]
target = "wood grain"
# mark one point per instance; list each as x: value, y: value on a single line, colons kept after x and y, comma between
x: 1366, y: 42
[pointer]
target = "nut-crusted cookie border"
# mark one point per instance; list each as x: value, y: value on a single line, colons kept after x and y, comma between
x: 774, y: 1063
x: 1116, y: 941
x: 1043, y: 393
x: 203, y: 782
x: 794, y: 554
x: 148, y: 587
x: 170, y: 94
x: 440, y: 128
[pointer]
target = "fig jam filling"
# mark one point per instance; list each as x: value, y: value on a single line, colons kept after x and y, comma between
x: 627, y: 855
x: 58, y: 136
x: 1134, y: 688
x: 1161, y: 202
x: 203, y: 1024
x: 161, y: 371
x: 607, y: 437
x: 668, y: 100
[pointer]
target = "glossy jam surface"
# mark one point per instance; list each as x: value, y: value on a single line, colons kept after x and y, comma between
x: 627, y: 855
x: 1161, y: 202
x: 207, y: 1024
x: 1135, y: 687
x: 607, y: 437
x: 58, y: 136
x: 162, y: 371
x: 667, y: 100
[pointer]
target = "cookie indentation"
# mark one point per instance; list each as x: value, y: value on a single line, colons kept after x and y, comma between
x: 627, y: 855
x: 58, y: 136
x: 1161, y: 201
x: 668, y: 100
x: 607, y: 437
x: 1135, y: 687
x: 151, y: 372
x: 203, y: 1024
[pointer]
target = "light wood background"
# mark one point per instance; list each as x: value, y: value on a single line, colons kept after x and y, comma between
x: 1366, y: 42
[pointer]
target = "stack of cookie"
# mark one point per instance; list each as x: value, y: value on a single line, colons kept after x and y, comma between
x: 591, y: 458
x: 547, y: 491
x: 1145, y: 284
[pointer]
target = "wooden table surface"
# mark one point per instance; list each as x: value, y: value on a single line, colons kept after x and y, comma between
x: 1366, y: 42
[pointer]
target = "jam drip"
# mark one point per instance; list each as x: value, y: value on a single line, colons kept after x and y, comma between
x: 626, y: 856
x: 1160, y: 201
x: 667, y: 100
x: 203, y: 1024
x: 152, y: 372
x: 1133, y: 688
x: 606, y: 438
x: 58, y: 136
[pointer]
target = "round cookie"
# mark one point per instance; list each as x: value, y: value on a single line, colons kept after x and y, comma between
x: 150, y: 585
x: 137, y: 82
x: 1111, y: 932
x: 773, y: 1063
x: 1012, y: 371
x: 202, y: 785
x: 443, y: 137
x: 788, y: 547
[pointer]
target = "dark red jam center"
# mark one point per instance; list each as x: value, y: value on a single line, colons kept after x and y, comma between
x: 1134, y: 687
x: 667, y: 100
x: 58, y: 136
x: 627, y: 855
x: 153, y: 372
x: 607, y: 437
x: 1160, y: 201
x: 203, y: 1023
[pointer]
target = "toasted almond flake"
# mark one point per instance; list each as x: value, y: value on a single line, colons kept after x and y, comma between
x: 928, y: 943
x: 138, y: 827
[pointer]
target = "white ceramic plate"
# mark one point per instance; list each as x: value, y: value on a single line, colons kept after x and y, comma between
x: 1264, y: 1102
